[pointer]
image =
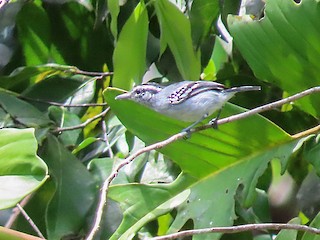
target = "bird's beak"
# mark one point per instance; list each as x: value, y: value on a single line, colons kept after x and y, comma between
x: 123, y: 96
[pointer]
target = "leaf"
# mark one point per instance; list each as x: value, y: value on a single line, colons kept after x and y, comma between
x: 316, y: 224
x: 21, y: 76
x: 130, y: 53
x: 23, y: 112
x: 202, y: 16
x: 292, y: 63
x: 176, y: 33
x: 34, y: 34
x: 21, y: 170
x: 68, y: 209
x: 64, y: 118
x: 288, y: 234
x: 210, y: 201
x: 216, y: 165
x: 59, y: 89
x: 114, y: 8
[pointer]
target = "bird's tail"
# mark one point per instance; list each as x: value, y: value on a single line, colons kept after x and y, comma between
x: 243, y: 89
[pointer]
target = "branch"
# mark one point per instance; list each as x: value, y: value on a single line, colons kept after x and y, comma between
x: 19, y: 209
x: 82, y: 125
x: 29, y: 220
x: 63, y: 104
x: 100, y: 74
x: 240, y: 228
x: 105, y: 187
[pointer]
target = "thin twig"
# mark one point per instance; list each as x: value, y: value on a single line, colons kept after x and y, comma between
x: 82, y: 125
x: 260, y: 109
x: 29, y: 220
x: 105, y: 188
x: 240, y: 228
x: 105, y: 139
x: 64, y: 104
x: 103, y: 74
x: 16, y: 212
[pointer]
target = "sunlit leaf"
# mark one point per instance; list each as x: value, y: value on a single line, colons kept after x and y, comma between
x: 176, y: 33
x: 21, y: 170
x: 291, y: 63
x: 130, y: 53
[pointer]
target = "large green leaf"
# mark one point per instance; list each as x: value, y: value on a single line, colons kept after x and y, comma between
x: 217, y: 162
x: 176, y: 33
x: 130, y: 52
x: 68, y: 208
x: 21, y: 170
x: 283, y: 47
x: 208, y: 201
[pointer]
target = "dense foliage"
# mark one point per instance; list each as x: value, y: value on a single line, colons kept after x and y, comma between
x: 62, y: 63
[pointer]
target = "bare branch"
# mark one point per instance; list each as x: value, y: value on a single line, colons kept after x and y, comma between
x: 105, y: 188
x: 106, y: 139
x: 240, y: 228
x: 63, y: 104
x: 84, y: 124
x: 29, y: 220
x: 99, y: 74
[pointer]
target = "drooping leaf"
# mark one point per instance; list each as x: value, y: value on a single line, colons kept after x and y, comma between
x: 75, y: 187
x: 21, y: 170
x: 130, y: 53
x: 176, y: 34
x: 202, y: 16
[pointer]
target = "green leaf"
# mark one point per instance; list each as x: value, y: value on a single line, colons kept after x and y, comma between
x: 75, y: 189
x: 291, y: 63
x: 114, y: 8
x: 176, y: 33
x: 23, y: 112
x: 220, y: 164
x: 202, y: 16
x: 208, y: 201
x: 22, y: 76
x: 130, y: 52
x: 288, y: 234
x: 21, y: 170
x: 311, y: 153
x: 34, y: 34
x: 316, y: 224
x: 64, y: 118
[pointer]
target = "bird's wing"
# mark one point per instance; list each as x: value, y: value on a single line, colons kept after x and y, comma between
x: 190, y: 89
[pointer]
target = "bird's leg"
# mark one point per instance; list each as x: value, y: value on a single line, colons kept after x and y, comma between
x: 214, y: 121
x: 187, y: 130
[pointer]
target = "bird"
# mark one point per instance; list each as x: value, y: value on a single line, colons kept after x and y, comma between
x: 188, y: 101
